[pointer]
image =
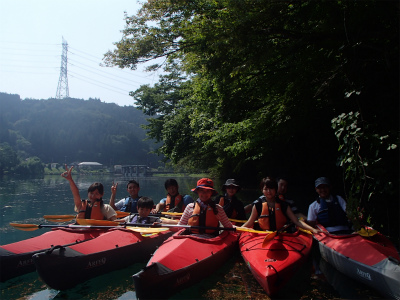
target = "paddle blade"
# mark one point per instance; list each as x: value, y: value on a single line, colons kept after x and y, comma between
x: 59, y: 218
x: 122, y: 214
x: 96, y: 222
x: 268, y: 238
x: 25, y: 227
x: 146, y: 229
x: 367, y: 232
x: 249, y: 230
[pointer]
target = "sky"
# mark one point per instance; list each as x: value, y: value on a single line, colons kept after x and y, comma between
x: 31, y: 36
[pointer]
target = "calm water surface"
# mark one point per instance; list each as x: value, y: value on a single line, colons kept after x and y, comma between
x: 27, y: 200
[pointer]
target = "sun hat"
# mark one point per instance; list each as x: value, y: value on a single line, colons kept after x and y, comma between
x: 230, y: 182
x: 322, y: 180
x: 205, y: 183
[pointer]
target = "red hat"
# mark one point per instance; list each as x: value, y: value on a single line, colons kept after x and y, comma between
x: 205, y: 183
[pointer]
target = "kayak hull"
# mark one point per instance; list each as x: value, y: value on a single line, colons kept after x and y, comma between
x: 67, y: 267
x: 274, y: 265
x: 182, y: 261
x: 16, y: 258
x: 373, y: 260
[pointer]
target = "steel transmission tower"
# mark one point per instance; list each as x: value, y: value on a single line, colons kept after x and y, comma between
x: 62, y: 87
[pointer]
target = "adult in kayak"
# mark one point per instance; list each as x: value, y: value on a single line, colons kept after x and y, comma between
x: 204, y: 212
x: 93, y: 207
x: 271, y: 212
x: 174, y: 202
x: 128, y: 204
x: 233, y: 207
x: 328, y: 210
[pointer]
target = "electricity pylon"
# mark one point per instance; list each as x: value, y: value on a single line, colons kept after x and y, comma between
x: 62, y: 87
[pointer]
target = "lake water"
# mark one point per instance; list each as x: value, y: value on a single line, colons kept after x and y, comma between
x: 27, y: 200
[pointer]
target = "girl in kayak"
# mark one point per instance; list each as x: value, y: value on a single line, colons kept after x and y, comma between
x: 93, y: 207
x: 233, y: 207
x: 271, y: 212
x: 204, y: 212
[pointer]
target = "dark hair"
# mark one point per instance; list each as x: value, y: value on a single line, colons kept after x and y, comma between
x: 96, y: 186
x: 145, y: 202
x: 170, y: 182
x: 269, y: 182
x: 132, y: 181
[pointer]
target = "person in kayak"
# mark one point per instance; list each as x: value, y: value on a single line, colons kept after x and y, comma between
x: 328, y: 210
x: 93, y: 207
x: 233, y: 207
x: 204, y: 212
x: 271, y: 212
x: 128, y: 204
x: 174, y: 202
x: 282, y: 190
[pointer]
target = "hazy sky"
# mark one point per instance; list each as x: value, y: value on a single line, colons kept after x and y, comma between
x: 31, y: 33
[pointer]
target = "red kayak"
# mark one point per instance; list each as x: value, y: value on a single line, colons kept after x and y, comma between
x: 65, y: 267
x: 372, y: 260
x: 274, y: 265
x: 182, y: 261
x: 16, y: 258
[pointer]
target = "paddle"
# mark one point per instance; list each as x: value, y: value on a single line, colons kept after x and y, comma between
x: 269, y: 237
x: 59, y: 218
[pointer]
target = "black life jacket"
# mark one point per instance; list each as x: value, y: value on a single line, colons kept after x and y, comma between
x: 331, y: 213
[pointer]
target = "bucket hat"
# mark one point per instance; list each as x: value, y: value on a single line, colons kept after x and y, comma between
x: 205, y: 183
x: 231, y: 182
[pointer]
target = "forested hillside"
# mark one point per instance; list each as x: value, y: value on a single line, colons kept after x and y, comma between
x: 74, y: 130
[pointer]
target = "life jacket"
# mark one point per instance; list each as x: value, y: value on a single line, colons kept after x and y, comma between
x: 147, y: 220
x: 174, y: 202
x: 229, y: 208
x: 266, y: 217
x: 91, y: 212
x: 331, y: 213
x: 203, y: 218
x: 130, y: 205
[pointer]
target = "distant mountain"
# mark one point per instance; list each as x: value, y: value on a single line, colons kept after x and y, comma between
x: 73, y: 130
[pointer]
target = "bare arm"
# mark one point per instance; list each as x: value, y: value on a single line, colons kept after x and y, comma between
x: 74, y: 189
x: 298, y: 223
x: 113, y: 193
x: 160, y: 207
x: 252, y: 219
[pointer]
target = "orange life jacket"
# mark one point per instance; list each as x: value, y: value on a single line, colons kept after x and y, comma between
x: 222, y: 203
x: 95, y: 211
x: 280, y: 217
x: 211, y: 219
x: 178, y: 199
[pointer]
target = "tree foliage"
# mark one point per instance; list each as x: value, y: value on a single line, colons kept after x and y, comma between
x: 257, y: 83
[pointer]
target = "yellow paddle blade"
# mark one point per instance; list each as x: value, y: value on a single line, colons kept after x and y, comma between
x: 147, y: 229
x: 96, y: 222
x: 305, y: 230
x: 172, y: 213
x: 367, y: 232
x: 238, y: 221
x: 25, y: 227
x: 59, y: 218
x: 122, y: 214
x: 268, y: 238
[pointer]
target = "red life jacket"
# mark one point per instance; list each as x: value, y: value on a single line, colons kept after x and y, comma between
x: 211, y: 219
x: 280, y: 217
x: 90, y: 212
x: 176, y: 202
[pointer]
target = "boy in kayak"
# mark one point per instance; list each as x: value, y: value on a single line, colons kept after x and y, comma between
x: 144, y: 207
x: 328, y: 210
x: 93, y: 207
x: 271, y: 212
x: 128, y: 204
x: 174, y: 202
x: 233, y: 207
x: 204, y: 212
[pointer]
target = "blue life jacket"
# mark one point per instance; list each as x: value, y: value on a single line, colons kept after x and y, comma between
x: 130, y: 205
x: 147, y: 220
x: 331, y: 213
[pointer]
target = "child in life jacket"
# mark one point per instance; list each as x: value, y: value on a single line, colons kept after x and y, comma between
x: 271, y: 212
x: 233, y: 207
x: 174, y: 202
x: 93, y: 207
x: 128, y: 204
x: 204, y: 212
